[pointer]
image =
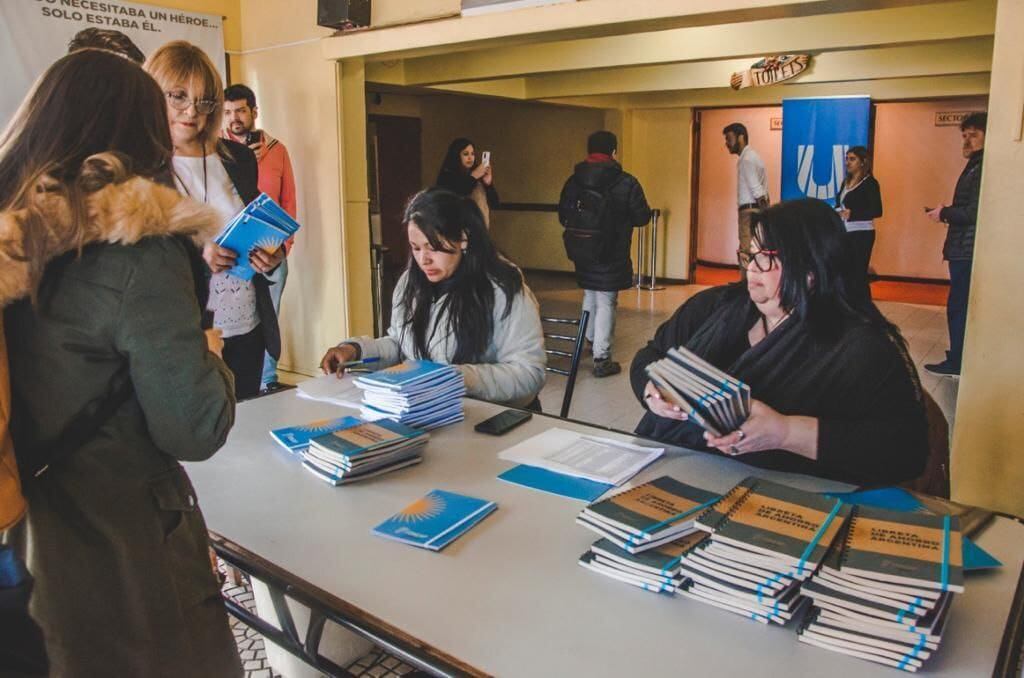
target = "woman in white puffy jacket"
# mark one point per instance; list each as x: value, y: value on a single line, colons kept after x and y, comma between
x: 459, y: 302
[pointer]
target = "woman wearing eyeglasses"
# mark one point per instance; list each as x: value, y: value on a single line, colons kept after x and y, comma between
x: 834, y: 391
x: 222, y: 174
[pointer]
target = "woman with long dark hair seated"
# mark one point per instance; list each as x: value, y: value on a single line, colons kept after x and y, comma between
x: 459, y: 302
x: 463, y: 173
x: 834, y: 391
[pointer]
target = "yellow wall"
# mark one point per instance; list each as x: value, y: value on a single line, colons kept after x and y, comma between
x: 298, y: 97
x: 660, y: 157
x: 988, y: 441
x: 533, y: 148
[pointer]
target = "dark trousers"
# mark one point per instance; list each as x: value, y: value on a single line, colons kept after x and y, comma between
x: 956, y: 307
x: 244, y: 357
x: 861, y: 243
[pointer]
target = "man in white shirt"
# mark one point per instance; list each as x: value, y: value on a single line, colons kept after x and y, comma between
x: 751, y: 179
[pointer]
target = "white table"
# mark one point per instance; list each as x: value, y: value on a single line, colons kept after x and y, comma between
x: 508, y: 597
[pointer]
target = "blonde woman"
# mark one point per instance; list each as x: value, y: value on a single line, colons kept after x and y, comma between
x: 112, y: 380
x: 222, y: 174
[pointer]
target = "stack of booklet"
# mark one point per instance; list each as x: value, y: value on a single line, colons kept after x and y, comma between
x: 712, y: 399
x: 417, y: 393
x: 765, y: 540
x: 363, y: 449
x: 655, y: 569
x: 262, y: 224
x: 884, y: 591
x: 296, y: 439
x: 649, y: 515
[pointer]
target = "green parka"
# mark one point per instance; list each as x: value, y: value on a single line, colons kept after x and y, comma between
x: 113, y: 534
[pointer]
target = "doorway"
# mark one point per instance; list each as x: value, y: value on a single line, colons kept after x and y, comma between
x: 394, y: 163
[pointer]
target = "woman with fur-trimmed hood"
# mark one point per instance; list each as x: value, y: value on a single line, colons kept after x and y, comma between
x: 113, y: 380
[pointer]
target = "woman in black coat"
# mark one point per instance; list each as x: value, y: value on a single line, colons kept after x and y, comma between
x: 859, y: 203
x: 834, y: 391
x: 462, y: 174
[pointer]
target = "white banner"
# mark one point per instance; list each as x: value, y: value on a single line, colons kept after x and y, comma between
x: 35, y: 33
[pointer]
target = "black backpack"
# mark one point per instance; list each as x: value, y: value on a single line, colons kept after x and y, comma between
x: 585, y: 213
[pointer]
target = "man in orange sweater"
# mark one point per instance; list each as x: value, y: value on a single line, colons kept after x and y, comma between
x: 275, y: 179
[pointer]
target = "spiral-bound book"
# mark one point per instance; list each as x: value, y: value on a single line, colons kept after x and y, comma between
x: 712, y: 399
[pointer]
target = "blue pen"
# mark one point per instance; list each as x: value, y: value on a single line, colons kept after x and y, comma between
x: 353, y: 363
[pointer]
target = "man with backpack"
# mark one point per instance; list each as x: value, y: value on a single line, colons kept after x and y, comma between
x: 599, y: 208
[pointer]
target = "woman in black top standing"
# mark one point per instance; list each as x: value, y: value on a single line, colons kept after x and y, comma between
x: 222, y: 174
x: 859, y: 203
x: 462, y: 174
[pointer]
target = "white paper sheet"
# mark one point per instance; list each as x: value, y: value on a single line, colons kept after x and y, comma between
x: 330, y: 389
x: 603, y: 460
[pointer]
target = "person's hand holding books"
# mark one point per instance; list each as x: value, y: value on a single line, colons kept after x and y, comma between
x: 265, y: 262
x: 766, y: 429
x: 657, y: 404
x: 218, y: 258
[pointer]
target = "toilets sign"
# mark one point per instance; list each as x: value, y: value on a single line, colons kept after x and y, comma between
x: 35, y: 33
x: 816, y: 133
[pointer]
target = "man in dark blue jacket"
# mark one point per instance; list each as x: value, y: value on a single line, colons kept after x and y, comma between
x: 961, y: 219
x: 599, y: 207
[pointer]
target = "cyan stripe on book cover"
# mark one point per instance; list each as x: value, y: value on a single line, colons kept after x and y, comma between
x: 672, y: 563
x: 767, y: 582
x: 646, y: 532
x: 945, y: 552
x: 912, y: 654
x: 817, y: 536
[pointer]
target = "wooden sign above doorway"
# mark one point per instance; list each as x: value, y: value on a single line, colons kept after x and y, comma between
x: 770, y: 71
x: 950, y: 118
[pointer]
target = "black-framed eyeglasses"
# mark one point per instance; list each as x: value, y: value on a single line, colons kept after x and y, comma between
x: 764, y: 260
x: 180, y: 101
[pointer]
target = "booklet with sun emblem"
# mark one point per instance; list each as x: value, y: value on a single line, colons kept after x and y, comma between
x: 436, y: 520
x: 296, y: 439
x: 262, y: 224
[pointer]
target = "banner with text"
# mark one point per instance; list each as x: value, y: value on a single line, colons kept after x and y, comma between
x: 35, y: 33
x: 816, y: 133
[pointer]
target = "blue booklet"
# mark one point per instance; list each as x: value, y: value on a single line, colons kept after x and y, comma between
x: 261, y: 224
x: 409, y: 373
x: 555, y: 483
x: 436, y: 520
x: 296, y: 438
x: 898, y: 499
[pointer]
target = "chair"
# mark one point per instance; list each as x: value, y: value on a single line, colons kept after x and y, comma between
x: 934, y: 480
x: 573, y: 355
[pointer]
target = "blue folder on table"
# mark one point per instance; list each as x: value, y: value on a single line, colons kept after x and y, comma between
x: 555, y: 483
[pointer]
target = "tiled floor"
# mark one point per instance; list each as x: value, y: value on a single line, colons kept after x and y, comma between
x: 610, y: 401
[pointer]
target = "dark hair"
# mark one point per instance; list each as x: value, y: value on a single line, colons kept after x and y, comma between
x: 602, y: 141
x: 445, y: 219
x: 237, y: 92
x: 110, y: 40
x: 92, y: 119
x: 821, y: 284
x: 977, y: 120
x: 452, y: 163
x: 862, y: 153
x: 737, y: 128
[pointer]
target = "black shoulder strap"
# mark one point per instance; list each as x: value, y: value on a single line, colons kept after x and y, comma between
x: 85, y: 425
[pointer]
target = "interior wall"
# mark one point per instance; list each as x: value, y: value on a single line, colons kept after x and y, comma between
x: 533, y: 150
x: 916, y: 164
x: 297, y: 91
x: 660, y: 157
x: 717, y: 236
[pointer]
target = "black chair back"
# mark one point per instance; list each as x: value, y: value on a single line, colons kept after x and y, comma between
x: 563, y: 345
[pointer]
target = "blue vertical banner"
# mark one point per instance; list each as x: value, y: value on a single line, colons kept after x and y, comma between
x: 816, y: 133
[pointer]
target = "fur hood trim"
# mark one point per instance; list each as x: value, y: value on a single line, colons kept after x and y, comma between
x: 121, y: 213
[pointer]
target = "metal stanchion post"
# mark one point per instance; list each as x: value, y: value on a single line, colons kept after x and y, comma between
x: 653, y: 286
x: 378, y: 287
x: 641, y: 251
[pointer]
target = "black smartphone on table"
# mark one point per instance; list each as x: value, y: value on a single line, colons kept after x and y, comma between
x: 503, y: 422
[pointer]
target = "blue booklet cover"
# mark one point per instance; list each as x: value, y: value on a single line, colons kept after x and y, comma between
x: 265, y: 208
x: 436, y: 520
x: 408, y: 373
x: 898, y: 499
x: 361, y: 437
x: 296, y: 438
x: 243, y: 235
x: 555, y: 483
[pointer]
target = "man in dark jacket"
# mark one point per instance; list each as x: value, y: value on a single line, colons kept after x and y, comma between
x: 961, y: 219
x: 599, y: 207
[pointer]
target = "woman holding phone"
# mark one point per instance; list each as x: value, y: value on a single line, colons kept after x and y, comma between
x: 463, y: 175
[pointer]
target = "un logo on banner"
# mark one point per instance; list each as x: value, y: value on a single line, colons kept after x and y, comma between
x: 805, y: 172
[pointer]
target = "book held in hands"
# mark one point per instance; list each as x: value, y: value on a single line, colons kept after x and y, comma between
x: 712, y: 399
x: 262, y: 224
